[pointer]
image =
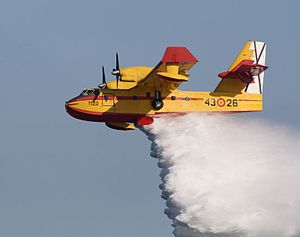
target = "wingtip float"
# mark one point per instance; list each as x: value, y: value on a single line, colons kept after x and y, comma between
x: 142, y: 93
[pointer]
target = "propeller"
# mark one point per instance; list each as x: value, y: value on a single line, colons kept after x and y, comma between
x: 116, y: 71
x: 103, y: 84
x: 103, y: 76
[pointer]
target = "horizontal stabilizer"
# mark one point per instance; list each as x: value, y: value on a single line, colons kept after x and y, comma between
x: 246, y: 70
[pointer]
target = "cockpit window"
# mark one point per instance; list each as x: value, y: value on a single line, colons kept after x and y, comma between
x: 90, y: 92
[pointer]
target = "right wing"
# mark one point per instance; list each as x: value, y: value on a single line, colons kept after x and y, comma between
x: 172, y: 70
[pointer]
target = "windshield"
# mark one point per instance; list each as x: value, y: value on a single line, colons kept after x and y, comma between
x: 90, y: 91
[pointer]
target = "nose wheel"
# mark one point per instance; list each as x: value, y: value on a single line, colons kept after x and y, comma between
x: 157, y: 102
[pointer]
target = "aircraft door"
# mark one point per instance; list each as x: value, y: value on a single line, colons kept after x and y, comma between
x: 108, y: 100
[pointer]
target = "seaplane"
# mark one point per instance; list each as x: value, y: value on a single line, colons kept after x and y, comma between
x: 140, y: 94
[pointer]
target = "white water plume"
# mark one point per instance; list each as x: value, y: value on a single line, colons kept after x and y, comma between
x: 228, y: 175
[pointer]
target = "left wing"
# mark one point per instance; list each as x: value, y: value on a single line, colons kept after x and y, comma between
x: 172, y: 70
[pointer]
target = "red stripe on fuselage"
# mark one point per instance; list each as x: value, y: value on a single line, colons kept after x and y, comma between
x: 94, y: 98
x: 131, y: 98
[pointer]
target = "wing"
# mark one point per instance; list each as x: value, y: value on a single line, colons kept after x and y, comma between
x: 172, y: 70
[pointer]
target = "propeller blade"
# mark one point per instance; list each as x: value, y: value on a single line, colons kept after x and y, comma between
x: 117, y: 70
x: 103, y: 76
x: 103, y: 84
x: 117, y: 62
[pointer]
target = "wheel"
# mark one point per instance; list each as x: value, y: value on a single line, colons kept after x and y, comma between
x: 157, y: 103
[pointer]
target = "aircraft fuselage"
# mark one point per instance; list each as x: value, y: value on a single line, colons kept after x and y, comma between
x: 128, y: 106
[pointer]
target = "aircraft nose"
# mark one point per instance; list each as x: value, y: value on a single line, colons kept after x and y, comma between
x: 69, y: 104
x: 69, y: 107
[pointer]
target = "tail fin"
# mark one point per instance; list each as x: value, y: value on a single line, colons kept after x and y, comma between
x: 246, y: 74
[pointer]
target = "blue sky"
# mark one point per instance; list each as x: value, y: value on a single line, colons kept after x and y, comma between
x: 64, y: 177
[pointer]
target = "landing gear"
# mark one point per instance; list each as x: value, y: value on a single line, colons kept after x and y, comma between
x: 157, y: 102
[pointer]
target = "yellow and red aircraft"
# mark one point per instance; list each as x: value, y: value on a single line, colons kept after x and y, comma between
x: 142, y: 93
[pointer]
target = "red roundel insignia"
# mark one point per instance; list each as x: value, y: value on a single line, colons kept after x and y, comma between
x: 221, y: 102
